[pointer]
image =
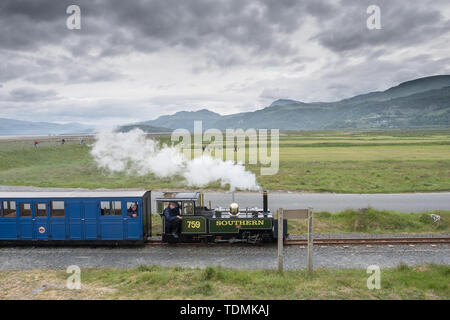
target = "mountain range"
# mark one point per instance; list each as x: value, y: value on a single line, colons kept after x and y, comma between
x: 19, y: 127
x: 423, y: 102
x: 419, y: 103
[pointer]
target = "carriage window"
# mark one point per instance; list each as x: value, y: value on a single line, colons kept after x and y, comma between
x: 116, y: 208
x: 9, y: 209
x: 41, y: 210
x: 57, y: 209
x: 105, y: 208
x: 109, y: 208
x: 25, y: 210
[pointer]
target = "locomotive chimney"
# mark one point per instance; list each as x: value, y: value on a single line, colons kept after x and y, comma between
x: 265, y: 208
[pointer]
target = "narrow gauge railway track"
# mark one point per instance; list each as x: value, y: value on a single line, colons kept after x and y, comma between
x: 373, y: 241
x: 327, y: 242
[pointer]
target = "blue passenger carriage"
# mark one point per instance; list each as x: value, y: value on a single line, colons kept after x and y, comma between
x: 75, y: 217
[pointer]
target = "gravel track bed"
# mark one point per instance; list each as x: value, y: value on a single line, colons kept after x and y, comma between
x: 240, y: 257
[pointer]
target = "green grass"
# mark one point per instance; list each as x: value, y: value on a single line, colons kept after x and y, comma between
x: 373, y: 221
x: 361, y: 221
x: 334, y: 161
x: 154, y: 282
x: 360, y: 176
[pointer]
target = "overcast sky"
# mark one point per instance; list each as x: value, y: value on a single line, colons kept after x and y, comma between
x: 136, y: 60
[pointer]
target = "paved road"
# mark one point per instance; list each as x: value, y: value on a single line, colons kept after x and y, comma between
x: 239, y: 257
x: 406, y: 202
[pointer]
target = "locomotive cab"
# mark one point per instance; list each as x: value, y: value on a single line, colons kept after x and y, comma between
x: 191, y: 209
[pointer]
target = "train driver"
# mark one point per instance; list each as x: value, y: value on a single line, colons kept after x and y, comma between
x: 173, y: 219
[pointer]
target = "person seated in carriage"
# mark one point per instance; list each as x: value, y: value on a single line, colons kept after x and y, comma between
x: 173, y: 219
x: 132, y: 211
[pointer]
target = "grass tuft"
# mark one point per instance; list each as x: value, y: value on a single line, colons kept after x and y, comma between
x: 369, y: 220
x: 152, y: 282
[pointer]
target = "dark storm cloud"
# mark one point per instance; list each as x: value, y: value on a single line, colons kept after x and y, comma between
x: 26, y: 25
x: 403, y: 24
x: 31, y: 95
x: 74, y: 75
x: 120, y: 26
x: 114, y: 28
x: 150, y: 25
x: 58, y: 69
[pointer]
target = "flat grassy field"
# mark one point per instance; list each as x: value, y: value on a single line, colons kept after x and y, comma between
x: 334, y: 161
x: 153, y: 282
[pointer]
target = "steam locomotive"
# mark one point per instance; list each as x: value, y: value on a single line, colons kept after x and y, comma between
x: 125, y: 217
x: 233, y: 224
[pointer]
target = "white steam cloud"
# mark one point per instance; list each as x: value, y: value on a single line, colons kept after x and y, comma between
x: 131, y: 152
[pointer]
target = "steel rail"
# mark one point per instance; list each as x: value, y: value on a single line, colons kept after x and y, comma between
x: 326, y: 242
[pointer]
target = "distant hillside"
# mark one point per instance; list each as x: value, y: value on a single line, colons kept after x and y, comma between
x: 406, y: 89
x: 143, y: 127
x: 422, y: 102
x: 18, y: 127
x: 184, y: 119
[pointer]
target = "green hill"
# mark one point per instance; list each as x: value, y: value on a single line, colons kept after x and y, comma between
x: 419, y: 103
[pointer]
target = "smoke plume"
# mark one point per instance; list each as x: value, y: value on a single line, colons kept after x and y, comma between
x: 132, y: 153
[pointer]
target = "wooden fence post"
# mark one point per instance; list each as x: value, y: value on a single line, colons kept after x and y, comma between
x: 280, y: 239
x: 309, y: 257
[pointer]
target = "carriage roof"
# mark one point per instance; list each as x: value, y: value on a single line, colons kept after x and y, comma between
x: 73, y: 194
x: 178, y: 196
